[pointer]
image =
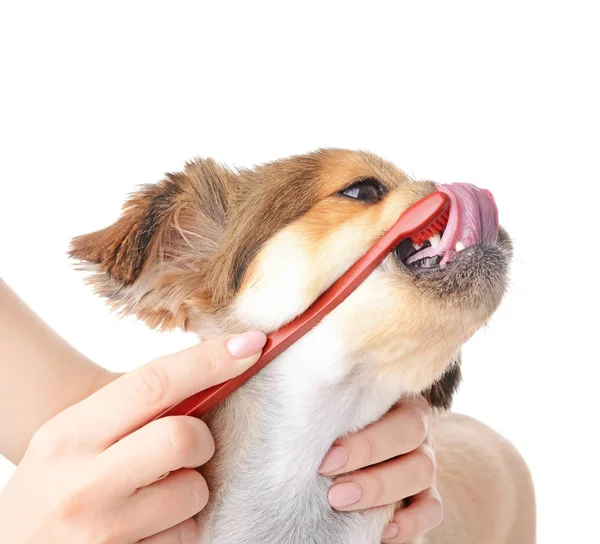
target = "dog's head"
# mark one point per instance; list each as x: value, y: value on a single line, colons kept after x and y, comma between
x: 213, y: 251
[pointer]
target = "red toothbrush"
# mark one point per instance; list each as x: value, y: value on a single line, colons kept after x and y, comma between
x: 423, y: 219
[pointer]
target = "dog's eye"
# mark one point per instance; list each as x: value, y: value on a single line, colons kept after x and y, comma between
x: 366, y: 190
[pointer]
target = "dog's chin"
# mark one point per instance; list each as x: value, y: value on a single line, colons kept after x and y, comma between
x: 474, y: 276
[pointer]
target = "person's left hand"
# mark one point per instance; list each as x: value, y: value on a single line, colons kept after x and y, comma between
x: 399, y: 457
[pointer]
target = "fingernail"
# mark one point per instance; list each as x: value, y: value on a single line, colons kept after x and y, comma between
x: 246, y: 344
x: 345, y: 494
x: 391, y: 531
x: 336, y: 459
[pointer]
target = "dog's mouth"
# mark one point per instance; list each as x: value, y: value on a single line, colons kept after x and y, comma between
x: 473, y: 221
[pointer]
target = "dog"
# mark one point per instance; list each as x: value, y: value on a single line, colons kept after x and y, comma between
x: 214, y: 251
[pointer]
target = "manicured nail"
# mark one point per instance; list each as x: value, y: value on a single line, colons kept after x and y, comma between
x: 246, y: 344
x: 391, y: 531
x: 345, y: 494
x: 336, y: 459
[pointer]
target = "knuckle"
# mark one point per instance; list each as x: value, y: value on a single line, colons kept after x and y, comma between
x: 198, y: 491
x: 437, y: 515
x: 188, y: 531
x: 72, y: 506
x: 181, y: 437
x: 365, y: 448
x: 51, y: 440
x: 150, y: 384
x: 72, y: 512
x: 409, y: 530
x: 208, y: 444
x: 42, y: 438
x: 214, y: 361
x: 377, y: 490
x: 416, y: 425
x: 425, y: 467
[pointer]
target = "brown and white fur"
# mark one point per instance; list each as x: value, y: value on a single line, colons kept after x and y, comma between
x: 218, y: 251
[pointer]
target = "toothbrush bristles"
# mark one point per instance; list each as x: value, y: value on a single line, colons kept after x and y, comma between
x: 437, y: 226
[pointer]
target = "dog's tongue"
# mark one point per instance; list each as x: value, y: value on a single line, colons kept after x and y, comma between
x: 473, y: 218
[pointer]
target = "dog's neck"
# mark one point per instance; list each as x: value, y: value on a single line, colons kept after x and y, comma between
x: 272, y: 435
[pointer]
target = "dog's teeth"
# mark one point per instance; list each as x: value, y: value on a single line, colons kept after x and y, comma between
x: 435, y: 240
x: 459, y: 246
x: 417, y: 246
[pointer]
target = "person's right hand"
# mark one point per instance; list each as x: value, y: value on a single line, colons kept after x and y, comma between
x: 94, y: 473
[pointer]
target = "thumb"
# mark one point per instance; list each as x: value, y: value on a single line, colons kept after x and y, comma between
x: 213, y: 361
x: 136, y: 397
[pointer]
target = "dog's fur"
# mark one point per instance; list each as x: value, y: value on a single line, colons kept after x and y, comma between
x: 218, y: 251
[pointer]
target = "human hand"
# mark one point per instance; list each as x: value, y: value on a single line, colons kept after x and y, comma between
x: 95, y: 472
x: 400, y: 459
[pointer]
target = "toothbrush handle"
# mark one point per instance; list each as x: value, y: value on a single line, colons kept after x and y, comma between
x: 419, y: 216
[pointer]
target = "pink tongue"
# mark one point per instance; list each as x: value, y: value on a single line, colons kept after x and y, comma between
x: 473, y: 220
x: 473, y: 216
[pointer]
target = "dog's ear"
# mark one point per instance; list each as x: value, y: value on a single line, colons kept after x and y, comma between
x: 152, y: 260
x: 439, y: 395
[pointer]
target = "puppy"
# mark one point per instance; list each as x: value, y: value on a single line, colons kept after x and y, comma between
x: 218, y: 251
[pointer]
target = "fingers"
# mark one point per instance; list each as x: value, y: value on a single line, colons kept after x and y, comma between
x: 184, y: 533
x: 400, y: 431
x: 385, y: 483
x: 424, y: 513
x: 166, y: 503
x: 162, y: 446
x: 136, y: 397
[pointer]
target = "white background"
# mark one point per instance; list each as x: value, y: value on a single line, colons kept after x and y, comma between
x: 99, y: 97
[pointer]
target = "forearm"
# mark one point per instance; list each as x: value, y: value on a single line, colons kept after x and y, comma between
x: 40, y: 374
